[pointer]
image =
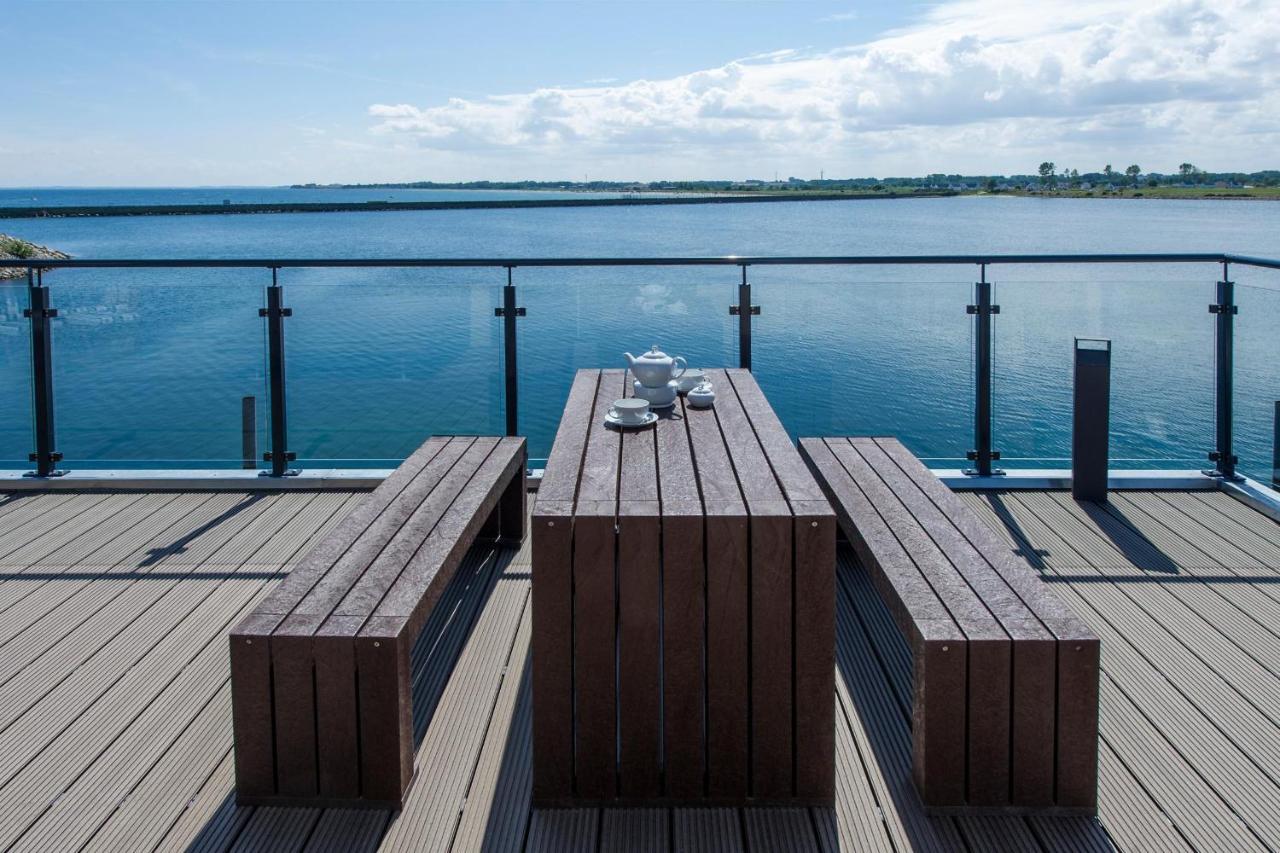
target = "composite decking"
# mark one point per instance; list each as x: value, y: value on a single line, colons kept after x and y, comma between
x: 115, y: 728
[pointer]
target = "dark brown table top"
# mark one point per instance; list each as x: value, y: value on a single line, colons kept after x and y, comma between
x: 734, y: 458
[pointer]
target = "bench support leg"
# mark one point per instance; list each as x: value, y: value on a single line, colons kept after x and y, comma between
x: 938, y: 725
x: 386, y: 716
x: 506, y: 524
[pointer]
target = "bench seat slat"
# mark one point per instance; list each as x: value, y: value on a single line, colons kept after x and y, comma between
x: 414, y: 531
x: 364, y: 554
x: 419, y: 587
x: 1002, y: 602
x: 913, y: 603
x: 964, y: 606
x: 1051, y: 610
x: 312, y: 567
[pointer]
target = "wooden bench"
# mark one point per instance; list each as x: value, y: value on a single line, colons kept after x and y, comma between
x: 1005, y: 695
x: 320, y: 672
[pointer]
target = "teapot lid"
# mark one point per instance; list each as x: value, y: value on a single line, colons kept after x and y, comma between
x: 655, y: 354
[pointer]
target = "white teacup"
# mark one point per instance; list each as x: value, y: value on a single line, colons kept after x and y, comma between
x: 691, y: 379
x: 631, y: 410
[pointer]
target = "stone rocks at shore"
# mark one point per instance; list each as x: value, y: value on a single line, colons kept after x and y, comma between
x: 16, y: 247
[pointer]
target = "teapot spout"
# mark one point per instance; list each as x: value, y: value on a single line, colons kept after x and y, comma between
x: 631, y: 359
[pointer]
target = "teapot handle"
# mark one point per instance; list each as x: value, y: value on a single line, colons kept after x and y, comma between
x: 684, y: 365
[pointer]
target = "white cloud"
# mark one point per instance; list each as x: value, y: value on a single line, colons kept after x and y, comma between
x: 837, y: 17
x: 976, y: 85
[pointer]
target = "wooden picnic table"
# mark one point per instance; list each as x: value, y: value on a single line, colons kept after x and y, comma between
x: 683, y: 606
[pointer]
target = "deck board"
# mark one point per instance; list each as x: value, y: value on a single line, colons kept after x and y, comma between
x: 115, y: 721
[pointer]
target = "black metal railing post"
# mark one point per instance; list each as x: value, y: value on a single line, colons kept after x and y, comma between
x: 1275, y: 448
x: 1225, y: 310
x: 509, y: 312
x: 744, y: 311
x: 248, y: 433
x: 982, y: 455
x: 40, y: 315
x: 279, y: 455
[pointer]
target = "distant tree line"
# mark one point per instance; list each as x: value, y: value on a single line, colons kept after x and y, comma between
x: 1047, y: 177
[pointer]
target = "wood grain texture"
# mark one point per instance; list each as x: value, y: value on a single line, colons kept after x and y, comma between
x: 683, y: 611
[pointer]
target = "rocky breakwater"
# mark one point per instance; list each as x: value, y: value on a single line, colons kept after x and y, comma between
x: 17, y: 248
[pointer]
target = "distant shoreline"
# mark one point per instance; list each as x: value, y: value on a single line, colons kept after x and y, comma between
x: 70, y: 211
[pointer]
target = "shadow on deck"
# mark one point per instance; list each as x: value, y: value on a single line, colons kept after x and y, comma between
x: 472, y: 724
x: 115, y: 728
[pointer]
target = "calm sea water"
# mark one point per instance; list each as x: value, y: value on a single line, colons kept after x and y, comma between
x: 151, y: 365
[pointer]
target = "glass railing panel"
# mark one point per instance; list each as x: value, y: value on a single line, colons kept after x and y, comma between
x: 151, y: 365
x: 16, y: 439
x: 1257, y: 372
x: 379, y: 359
x: 848, y: 350
x: 1161, y: 334
x: 587, y: 317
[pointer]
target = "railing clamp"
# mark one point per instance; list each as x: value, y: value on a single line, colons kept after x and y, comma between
x: 501, y: 312
x: 1215, y: 456
x: 735, y: 310
x: 993, y: 456
x: 1224, y: 309
x: 55, y: 456
x: 275, y: 312
x: 977, y: 309
x: 46, y: 312
x: 289, y: 456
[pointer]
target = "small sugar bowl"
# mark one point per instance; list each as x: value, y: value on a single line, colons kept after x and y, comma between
x: 702, y: 396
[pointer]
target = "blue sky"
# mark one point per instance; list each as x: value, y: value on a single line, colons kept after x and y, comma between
x: 213, y: 93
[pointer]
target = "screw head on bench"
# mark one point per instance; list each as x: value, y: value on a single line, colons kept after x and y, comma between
x: 551, y: 524
x: 813, y: 524
x: 376, y: 644
x: 944, y: 648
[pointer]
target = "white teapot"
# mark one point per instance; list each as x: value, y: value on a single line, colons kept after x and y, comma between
x: 655, y: 368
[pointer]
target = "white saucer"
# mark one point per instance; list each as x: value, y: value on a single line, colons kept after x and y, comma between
x: 649, y: 419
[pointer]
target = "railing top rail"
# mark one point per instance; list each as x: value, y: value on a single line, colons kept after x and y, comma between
x: 1250, y: 261
x: 723, y: 260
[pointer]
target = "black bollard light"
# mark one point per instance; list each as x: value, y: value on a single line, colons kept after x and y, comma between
x: 1090, y: 433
